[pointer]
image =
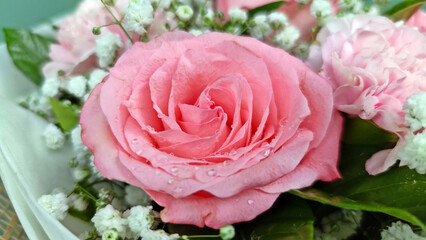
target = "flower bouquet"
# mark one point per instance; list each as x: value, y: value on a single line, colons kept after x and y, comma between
x: 227, y: 119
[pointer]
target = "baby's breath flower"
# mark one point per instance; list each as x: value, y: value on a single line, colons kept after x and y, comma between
x: 106, y: 48
x: 96, y: 77
x: 159, y: 235
x: 55, y: 204
x: 136, y: 196
x: 80, y: 173
x: 77, y: 86
x: 321, y: 8
x: 237, y: 15
x: 287, y: 38
x: 138, y: 16
x: 140, y: 219
x: 413, y: 154
x: 161, y: 4
x: 415, y: 111
x: 400, y: 231
x: 77, y: 202
x: 184, y: 13
x: 76, y: 139
x: 94, y: 169
x: 108, y: 218
x: 50, y: 87
x: 353, y: 6
x: 227, y: 232
x: 339, y: 225
x: 304, y: 2
x: 53, y: 136
x: 277, y: 20
x: 196, y: 32
x: 261, y: 27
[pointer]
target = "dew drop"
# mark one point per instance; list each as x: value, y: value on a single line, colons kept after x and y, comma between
x: 232, y: 153
x: 267, y: 152
x: 226, y: 163
x: 174, y: 170
x: 250, y: 202
x: 139, y: 152
x: 178, y: 189
x: 135, y: 140
x: 170, y: 181
x: 157, y: 172
x: 211, y: 172
x: 197, y: 168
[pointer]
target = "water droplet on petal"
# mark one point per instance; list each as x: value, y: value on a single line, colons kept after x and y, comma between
x: 211, y: 173
x: 170, y: 181
x: 178, y: 189
x: 157, y: 172
x: 135, y: 140
x: 139, y: 152
x: 174, y: 170
x: 250, y: 202
x: 197, y: 168
x: 267, y: 152
x: 225, y: 163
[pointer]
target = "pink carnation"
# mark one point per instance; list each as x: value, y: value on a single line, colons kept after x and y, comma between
x: 374, y: 65
x: 213, y: 127
x: 75, y: 51
x: 418, y: 20
x: 299, y: 17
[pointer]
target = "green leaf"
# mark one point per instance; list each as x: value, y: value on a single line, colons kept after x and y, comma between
x: 403, y: 9
x: 370, y: 133
x: 66, y: 114
x: 399, y: 192
x: 28, y: 52
x: 290, y: 218
x: 266, y: 8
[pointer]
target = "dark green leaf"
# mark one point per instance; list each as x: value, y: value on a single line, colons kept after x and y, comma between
x: 288, y: 219
x: 266, y: 8
x: 370, y: 133
x: 28, y: 52
x: 399, y: 192
x: 66, y: 114
x: 403, y: 9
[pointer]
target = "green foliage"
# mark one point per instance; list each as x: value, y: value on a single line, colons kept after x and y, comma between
x: 266, y: 8
x: 66, y: 114
x: 28, y: 52
x: 403, y: 9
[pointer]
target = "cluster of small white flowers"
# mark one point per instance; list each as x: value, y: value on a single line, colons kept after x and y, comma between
x: 77, y: 86
x: 161, y: 4
x: 38, y: 102
x: 108, y: 218
x: 413, y: 154
x: 50, y: 87
x: 96, y: 77
x: 77, y: 143
x: 140, y: 219
x: 77, y: 202
x: 55, y: 204
x: 184, y: 13
x: 261, y: 27
x: 53, y: 136
x: 136, y: 196
x: 415, y: 111
x: 138, y: 16
x: 94, y: 169
x: 278, y: 20
x: 81, y: 173
x: 339, y: 225
x: 302, y: 50
x: 159, y: 235
x: 321, y: 8
x: 287, y: 38
x: 237, y: 15
x: 400, y: 231
x: 106, y: 48
x: 353, y: 6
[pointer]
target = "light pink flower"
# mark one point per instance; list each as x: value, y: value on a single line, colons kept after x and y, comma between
x: 299, y: 17
x: 374, y: 65
x: 213, y: 127
x: 418, y: 20
x: 75, y: 51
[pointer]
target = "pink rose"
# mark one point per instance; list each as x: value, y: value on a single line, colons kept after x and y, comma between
x: 374, y: 65
x: 418, y: 20
x: 75, y: 51
x: 213, y: 127
x: 299, y: 17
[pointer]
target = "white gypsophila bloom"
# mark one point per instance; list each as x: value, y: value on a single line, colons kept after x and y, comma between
x: 76, y: 141
x: 303, y: 1
x: 53, y: 136
x: 159, y: 235
x: 55, y: 204
x: 106, y: 48
x: 302, y: 50
x: 94, y: 169
x: 108, y: 218
x: 277, y: 20
x: 209, y: 15
x: 206, y: 19
x: 38, y: 103
x: 96, y: 77
x: 261, y: 27
x: 196, y: 32
x: 80, y: 173
x: 110, y: 234
x: 140, y: 219
x: 50, y: 87
x: 287, y: 38
x: 320, y: 8
x: 184, y: 12
x: 400, y: 231
x: 77, y: 202
x: 413, y: 153
x: 83, y: 236
x: 415, y: 111
x: 138, y: 16
x: 161, y: 4
x: 339, y: 225
x: 373, y: 10
x: 353, y: 6
x: 136, y: 196
x: 77, y: 86
x: 237, y: 15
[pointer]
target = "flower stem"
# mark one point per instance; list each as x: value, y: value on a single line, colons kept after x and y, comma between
x: 117, y: 21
